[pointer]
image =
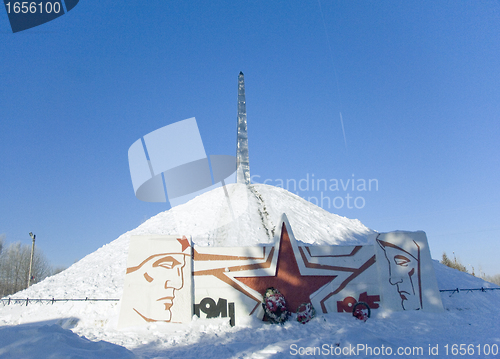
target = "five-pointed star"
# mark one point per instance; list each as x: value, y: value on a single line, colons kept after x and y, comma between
x: 288, y: 280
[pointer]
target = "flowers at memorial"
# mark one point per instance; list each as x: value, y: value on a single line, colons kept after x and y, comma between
x: 361, y: 311
x: 274, y: 305
x: 305, y: 312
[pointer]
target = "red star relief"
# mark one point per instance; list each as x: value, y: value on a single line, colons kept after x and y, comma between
x: 288, y: 280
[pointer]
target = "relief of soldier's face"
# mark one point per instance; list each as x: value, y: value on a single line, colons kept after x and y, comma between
x: 161, y: 275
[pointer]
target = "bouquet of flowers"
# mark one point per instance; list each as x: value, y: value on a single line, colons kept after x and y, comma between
x: 361, y: 311
x: 275, y: 306
x: 305, y: 312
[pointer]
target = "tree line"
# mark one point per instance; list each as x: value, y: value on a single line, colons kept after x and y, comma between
x: 14, y: 267
x: 456, y: 264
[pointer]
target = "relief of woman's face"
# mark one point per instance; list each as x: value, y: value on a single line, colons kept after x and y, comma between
x: 403, y: 273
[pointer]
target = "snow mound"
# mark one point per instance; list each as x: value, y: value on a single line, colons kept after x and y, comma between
x: 207, y: 218
x: 54, y: 330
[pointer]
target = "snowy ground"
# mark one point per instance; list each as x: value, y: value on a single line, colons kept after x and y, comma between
x: 46, y: 330
x: 88, y: 329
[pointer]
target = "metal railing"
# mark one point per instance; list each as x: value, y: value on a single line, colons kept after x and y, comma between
x: 467, y: 290
x: 26, y: 301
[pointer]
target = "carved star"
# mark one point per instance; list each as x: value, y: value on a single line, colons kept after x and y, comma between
x: 184, y: 242
x: 296, y: 287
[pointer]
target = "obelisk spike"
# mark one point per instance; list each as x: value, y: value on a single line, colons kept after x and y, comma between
x: 242, y: 166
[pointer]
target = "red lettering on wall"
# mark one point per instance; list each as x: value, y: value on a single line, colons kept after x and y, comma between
x: 347, y: 304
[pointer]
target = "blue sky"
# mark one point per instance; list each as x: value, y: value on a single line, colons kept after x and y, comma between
x: 417, y: 83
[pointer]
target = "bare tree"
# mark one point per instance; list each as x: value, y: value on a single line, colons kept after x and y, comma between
x: 14, y: 268
x: 2, y: 239
x: 10, y: 269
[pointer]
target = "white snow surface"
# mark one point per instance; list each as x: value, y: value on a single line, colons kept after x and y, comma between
x: 87, y: 329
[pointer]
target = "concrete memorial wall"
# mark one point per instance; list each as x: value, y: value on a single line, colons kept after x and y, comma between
x: 168, y: 279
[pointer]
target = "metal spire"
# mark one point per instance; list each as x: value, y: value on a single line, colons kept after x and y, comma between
x: 242, y: 166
